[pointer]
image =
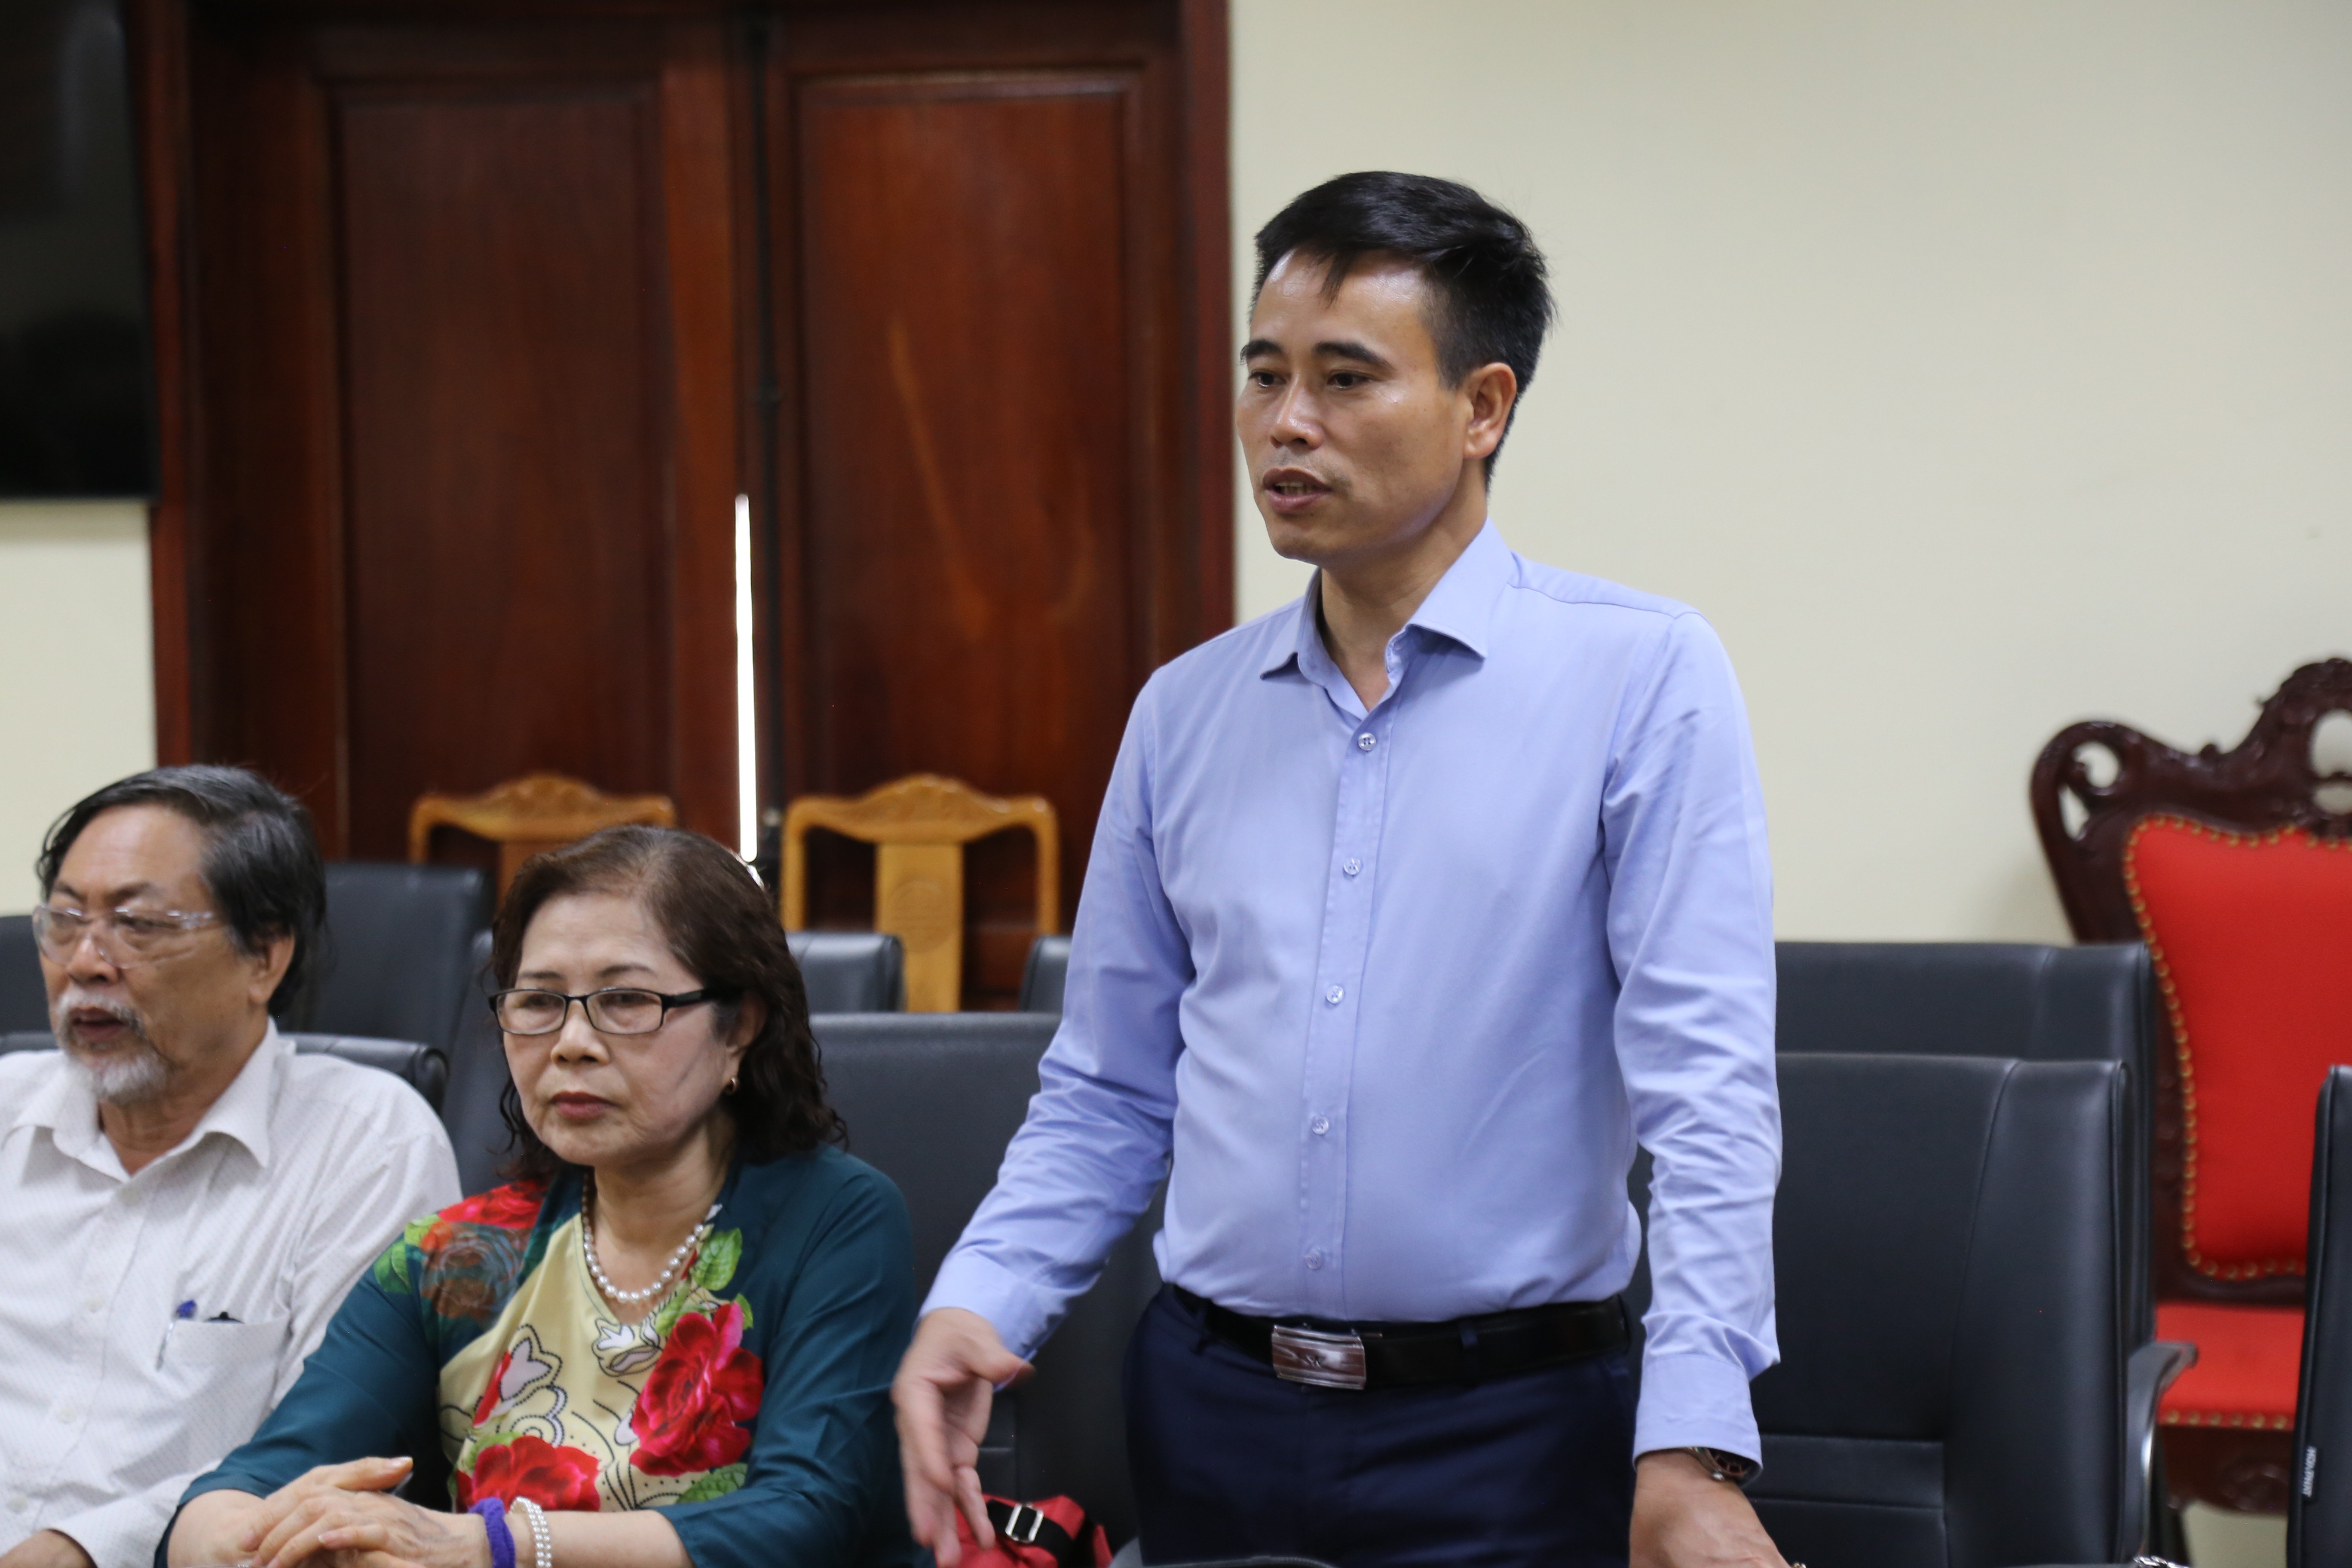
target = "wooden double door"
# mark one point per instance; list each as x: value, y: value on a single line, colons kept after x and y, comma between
x: 476, y: 321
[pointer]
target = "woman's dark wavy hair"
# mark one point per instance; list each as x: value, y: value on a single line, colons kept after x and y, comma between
x: 1490, y: 292
x: 721, y: 925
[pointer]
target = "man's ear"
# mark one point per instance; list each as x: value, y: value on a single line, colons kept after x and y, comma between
x: 1492, y: 390
x: 268, y: 967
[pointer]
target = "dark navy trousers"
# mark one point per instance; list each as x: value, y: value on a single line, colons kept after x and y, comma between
x: 1231, y: 1461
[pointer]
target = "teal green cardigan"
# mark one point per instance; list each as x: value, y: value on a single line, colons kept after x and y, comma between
x: 827, y: 1268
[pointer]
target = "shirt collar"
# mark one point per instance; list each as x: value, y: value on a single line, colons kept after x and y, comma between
x: 1461, y: 608
x: 67, y: 1109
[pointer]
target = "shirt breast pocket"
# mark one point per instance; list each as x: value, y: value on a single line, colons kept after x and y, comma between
x: 222, y: 1343
x: 221, y: 1377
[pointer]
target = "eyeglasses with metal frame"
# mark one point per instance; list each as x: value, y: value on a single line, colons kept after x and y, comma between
x: 124, y: 936
x: 614, y: 1010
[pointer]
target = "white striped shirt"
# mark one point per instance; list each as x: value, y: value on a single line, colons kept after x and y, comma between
x: 148, y: 1322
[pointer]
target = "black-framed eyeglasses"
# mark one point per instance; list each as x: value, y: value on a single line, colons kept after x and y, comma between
x: 614, y: 1010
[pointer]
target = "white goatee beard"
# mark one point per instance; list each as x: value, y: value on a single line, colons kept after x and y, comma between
x: 130, y: 1071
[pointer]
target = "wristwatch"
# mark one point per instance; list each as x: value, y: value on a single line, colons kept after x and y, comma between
x: 1723, y: 1466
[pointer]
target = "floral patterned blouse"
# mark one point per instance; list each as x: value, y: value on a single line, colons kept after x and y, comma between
x: 753, y: 1404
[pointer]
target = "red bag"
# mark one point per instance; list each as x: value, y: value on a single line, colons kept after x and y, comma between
x: 1055, y: 1533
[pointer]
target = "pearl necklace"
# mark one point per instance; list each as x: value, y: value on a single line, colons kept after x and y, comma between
x: 614, y: 1293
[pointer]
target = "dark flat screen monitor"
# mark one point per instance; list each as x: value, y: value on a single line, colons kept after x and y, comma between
x: 75, y: 374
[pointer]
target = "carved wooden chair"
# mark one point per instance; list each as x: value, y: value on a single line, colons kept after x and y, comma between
x: 919, y: 826
x: 2235, y: 868
x: 525, y: 816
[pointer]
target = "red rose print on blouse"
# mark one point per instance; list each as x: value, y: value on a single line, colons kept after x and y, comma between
x: 533, y: 1468
x: 691, y: 1415
x: 514, y: 1206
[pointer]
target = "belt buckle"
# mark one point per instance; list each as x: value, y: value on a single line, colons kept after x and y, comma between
x: 1318, y: 1359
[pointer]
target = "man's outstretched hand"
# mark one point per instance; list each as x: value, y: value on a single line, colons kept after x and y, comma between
x: 942, y: 1394
x: 1684, y: 1518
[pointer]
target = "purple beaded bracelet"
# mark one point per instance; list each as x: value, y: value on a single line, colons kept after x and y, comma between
x: 494, y: 1525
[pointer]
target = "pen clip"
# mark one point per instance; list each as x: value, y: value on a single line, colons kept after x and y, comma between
x: 180, y: 1314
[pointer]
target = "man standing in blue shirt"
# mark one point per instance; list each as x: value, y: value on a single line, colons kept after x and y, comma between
x: 1414, y: 907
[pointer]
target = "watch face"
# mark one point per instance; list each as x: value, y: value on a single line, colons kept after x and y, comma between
x: 1732, y: 1465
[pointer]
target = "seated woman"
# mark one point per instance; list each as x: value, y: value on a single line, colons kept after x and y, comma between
x: 671, y: 1341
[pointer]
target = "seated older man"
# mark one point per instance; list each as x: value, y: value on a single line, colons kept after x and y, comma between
x: 184, y: 1201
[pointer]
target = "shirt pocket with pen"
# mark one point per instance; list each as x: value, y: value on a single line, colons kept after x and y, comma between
x: 223, y: 1375
x: 198, y: 1342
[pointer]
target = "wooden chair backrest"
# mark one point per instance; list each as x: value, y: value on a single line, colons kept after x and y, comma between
x: 2266, y: 787
x: 525, y: 816
x: 918, y: 826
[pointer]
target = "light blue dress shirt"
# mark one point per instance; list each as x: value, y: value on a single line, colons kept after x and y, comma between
x: 1399, y: 991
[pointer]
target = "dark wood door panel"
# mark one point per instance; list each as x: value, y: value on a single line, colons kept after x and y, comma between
x: 991, y: 526
x: 504, y: 369
x: 970, y: 598
x: 490, y: 269
x: 480, y: 314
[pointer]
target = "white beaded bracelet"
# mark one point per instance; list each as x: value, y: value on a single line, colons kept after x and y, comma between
x: 543, y: 1544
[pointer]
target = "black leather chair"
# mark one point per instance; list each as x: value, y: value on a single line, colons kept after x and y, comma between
x: 851, y: 971
x: 23, y: 999
x: 1047, y: 971
x: 2319, y: 1507
x: 932, y: 1100
x: 423, y: 1068
x: 1941, y: 998
x: 2021, y: 1001
x: 478, y: 1075
x: 398, y: 952
x: 1962, y: 1385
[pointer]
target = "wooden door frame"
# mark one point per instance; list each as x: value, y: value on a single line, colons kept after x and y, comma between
x: 159, y: 46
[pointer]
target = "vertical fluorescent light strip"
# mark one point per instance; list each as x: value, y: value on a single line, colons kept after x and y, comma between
x: 746, y: 710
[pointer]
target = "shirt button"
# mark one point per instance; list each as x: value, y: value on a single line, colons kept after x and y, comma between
x: 1333, y: 996
x: 19, y: 1504
x: 1364, y: 742
x: 1315, y: 1260
x: 95, y: 1304
x: 67, y: 1413
x: 1352, y: 867
x: 1319, y: 1126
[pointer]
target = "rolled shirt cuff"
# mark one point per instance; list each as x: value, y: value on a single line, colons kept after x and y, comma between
x: 1695, y: 1400
x: 126, y: 1532
x: 1014, y: 1307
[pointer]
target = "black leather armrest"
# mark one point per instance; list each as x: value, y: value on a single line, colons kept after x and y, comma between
x: 2146, y: 1375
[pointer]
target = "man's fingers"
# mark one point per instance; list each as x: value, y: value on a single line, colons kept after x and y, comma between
x: 947, y: 1545
x: 975, y: 1507
x: 921, y: 1432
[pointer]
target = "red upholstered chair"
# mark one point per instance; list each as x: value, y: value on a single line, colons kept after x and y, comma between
x: 2234, y: 870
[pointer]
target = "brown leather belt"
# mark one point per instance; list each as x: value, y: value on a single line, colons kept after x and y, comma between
x: 1391, y: 1355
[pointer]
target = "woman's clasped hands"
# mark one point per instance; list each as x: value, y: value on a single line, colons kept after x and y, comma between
x: 344, y: 1516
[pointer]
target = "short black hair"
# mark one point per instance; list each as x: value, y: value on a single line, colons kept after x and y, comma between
x: 261, y: 863
x: 1488, y: 279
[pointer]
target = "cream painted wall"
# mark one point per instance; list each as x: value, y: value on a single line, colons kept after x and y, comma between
x: 1976, y: 365
x: 77, y: 699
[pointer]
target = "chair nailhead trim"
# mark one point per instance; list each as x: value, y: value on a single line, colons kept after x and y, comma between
x: 2234, y: 1418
